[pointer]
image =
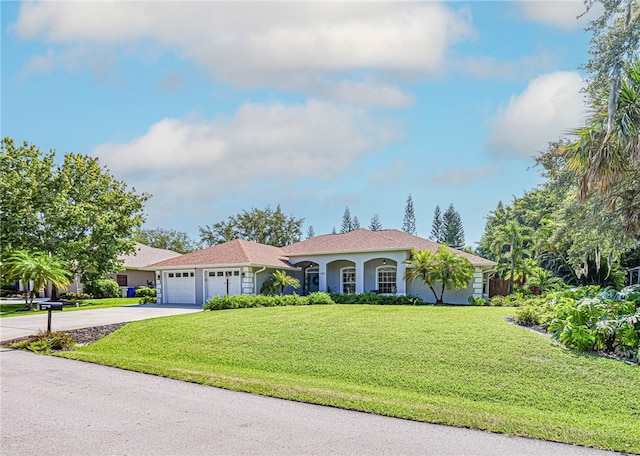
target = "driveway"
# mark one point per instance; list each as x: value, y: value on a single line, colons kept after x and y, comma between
x: 51, y: 405
x: 14, y: 327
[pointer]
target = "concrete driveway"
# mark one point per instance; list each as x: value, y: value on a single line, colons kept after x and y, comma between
x: 14, y: 327
x: 52, y: 405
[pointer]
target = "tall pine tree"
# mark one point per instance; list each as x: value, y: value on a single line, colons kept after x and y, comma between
x: 452, y: 228
x: 437, y: 232
x: 409, y: 222
x: 311, y: 232
x: 355, y: 224
x: 375, y: 224
x: 347, y: 223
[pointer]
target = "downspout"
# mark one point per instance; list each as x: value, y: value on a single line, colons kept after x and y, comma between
x: 255, y: 280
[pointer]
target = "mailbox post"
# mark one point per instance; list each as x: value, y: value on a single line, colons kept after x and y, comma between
x: 49, y: 306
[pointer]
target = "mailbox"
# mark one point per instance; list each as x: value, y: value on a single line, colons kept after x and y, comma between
x: 51, y: 306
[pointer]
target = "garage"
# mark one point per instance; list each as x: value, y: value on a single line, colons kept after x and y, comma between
x: 180, y: 287
x: 222, y: 281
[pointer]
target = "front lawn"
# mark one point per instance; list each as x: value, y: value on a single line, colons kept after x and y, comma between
x: 463, y: 366
x: 16, y: 309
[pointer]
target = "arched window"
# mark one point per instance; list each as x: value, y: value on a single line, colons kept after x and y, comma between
x: 386, y: 279
x: 348, y: 279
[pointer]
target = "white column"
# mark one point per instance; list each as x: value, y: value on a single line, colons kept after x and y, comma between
x: 401, y: 283
x: 322, y: 272
x: 359, y: 276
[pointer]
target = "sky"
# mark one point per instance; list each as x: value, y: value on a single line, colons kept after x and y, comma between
x: 215, y: 107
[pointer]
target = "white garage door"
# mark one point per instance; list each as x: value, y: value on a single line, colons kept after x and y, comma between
x: 217, y: 282
x: 180, y: 287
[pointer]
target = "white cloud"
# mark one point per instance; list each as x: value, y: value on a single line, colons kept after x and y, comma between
x: 491, y: 68
x: 185, y: 162
x: 559, y: 13
x: 550, y: 105
x: 288, y: 45
x: 461, y: 176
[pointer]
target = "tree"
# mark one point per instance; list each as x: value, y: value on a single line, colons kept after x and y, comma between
x: 437, y: 231
x: 452, y: 228
x: 264, y: 226
x: 167, y: 239
x: 544, y: 280
x: 375, y: 224
x: 36, y: 268
x: 347, y: 222
x: 453, y: 271
x: 511, y: 243
x: 409, y: 221
x: 75, y: 209
x: 282, y: 280
x: 311, y: 232
x: 355, y: 224
x: 333, y: 230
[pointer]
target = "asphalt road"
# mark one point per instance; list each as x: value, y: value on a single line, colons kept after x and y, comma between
x: 14, y: 327
x: 55, y: 406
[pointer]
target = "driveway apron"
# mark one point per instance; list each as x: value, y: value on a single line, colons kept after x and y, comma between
x: 14, y: 327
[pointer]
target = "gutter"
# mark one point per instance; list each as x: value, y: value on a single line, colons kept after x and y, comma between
x: 255, y: 280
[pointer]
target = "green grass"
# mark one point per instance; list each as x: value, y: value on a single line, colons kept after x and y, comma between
x: 462, y: 366
x: 15, y: 310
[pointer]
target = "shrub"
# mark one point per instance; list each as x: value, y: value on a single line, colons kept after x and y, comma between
x: 248, y: 301
x: 70, y: 296
x: 376, y: 299
x: 476, y: 301
x: 319, y: 297
x: 103, y: 288
x: 46, y: 342
x: 147, y: 300
x: 145, y: 291
x: 528, y: 315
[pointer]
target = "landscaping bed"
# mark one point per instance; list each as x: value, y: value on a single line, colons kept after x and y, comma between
x: 82, y: 336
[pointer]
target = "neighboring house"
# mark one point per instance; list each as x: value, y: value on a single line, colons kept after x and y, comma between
x: 360, y: 261
x: 133, y: 273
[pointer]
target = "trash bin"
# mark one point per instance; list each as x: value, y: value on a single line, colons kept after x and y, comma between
x: 123, y: 292
x: 131, y: 293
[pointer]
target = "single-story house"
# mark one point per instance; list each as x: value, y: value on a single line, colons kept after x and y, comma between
x: 133, y: 272
x: 360, y: 261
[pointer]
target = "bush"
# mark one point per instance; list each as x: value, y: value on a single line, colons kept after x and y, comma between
x: 319, y: 298
x: 476, y: 301
x: 528, y: 315
x: 46, y: 343
x: 103, y: 288
x: 376, y: 299
x: 147, y: 300
x: 144, y: 292
x: 70, y: 296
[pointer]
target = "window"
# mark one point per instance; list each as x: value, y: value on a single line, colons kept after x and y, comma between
x: 190, y: 274
x: 348, y: 280
x: 236, y: 273
x: 220, y: 274
x: 122, y: 280
x: 171, y: 274
x: 212, y: 274
x: 387, y: 279
x: 178, y: 274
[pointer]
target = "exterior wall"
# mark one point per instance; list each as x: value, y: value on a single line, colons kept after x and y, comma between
x: 135, y: 278
x: 421, y: 289
x: 365, y: 264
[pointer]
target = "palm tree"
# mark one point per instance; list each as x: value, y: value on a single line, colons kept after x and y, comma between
x: 455, y: 270
x: 543, y: 279
x: 424, y: 266
x: 38, y: 268
x: 605, y: 151
x: 515, y: 238
x: 452, y: 270
x: 282, y: 280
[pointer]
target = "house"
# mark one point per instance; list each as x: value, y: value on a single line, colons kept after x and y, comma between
x: 356, y: 262
x: 133, y: 273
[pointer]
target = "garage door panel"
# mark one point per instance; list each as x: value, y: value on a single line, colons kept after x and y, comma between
x: 180, y: 287
x: 217, y: 282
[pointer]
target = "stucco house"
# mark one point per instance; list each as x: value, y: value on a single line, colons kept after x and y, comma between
x: 133, y: 273
x: 356, y: 262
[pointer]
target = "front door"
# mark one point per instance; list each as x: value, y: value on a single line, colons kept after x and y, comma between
x: 312, y: 279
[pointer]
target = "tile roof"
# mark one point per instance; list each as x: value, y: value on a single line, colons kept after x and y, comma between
x: 364, y: 240
x: 234, y: 252
x: 145, y: 255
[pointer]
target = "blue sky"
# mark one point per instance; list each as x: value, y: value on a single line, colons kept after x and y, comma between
x: 217, y: 107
